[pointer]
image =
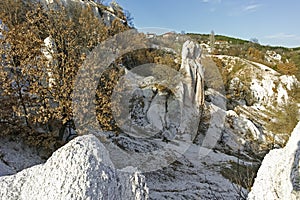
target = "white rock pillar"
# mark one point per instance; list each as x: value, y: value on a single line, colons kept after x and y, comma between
x: 193, y: 72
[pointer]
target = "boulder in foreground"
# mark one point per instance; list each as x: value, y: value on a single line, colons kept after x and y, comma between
x: 81, y: 169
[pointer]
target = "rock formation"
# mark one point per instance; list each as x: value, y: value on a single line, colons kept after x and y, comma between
x: 193, y: 72
x: 81, y: 169
x: 166, y: 103
x: 279, y: 174
x: 107, y: 13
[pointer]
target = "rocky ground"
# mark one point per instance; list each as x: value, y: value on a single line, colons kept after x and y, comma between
x: 176, y: 160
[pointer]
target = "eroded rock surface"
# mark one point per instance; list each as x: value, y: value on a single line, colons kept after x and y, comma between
x: 81, y: 169
x: 278, y: 176
x: 193, y: 72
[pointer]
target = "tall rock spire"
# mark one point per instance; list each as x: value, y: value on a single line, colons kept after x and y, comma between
x: 194, y: 73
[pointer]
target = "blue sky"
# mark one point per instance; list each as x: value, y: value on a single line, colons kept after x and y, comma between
x: 272, y: 22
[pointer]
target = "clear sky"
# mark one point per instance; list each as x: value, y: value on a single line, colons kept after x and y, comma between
x: 272, y: 22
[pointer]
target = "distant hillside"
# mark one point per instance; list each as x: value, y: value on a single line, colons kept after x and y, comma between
x: 205, y: 37
x: 232, y: 40
x: 282, y: 59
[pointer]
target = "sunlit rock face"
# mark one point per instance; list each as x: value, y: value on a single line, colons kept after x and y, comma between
x: 278, y: 176
x: 193, y: 72
x: 81, y: 169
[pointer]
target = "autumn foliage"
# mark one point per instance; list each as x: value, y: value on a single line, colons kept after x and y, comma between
x: 42, y: 49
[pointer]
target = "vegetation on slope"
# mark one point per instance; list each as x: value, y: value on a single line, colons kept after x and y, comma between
x: 289, y: 63
x: 37, y: 80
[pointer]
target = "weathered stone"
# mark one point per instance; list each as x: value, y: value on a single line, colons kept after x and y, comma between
x: 278, y: 177
x: 81, y: 169
x: 194, y: 73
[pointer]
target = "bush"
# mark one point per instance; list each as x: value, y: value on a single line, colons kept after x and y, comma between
x: 287, y: 68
